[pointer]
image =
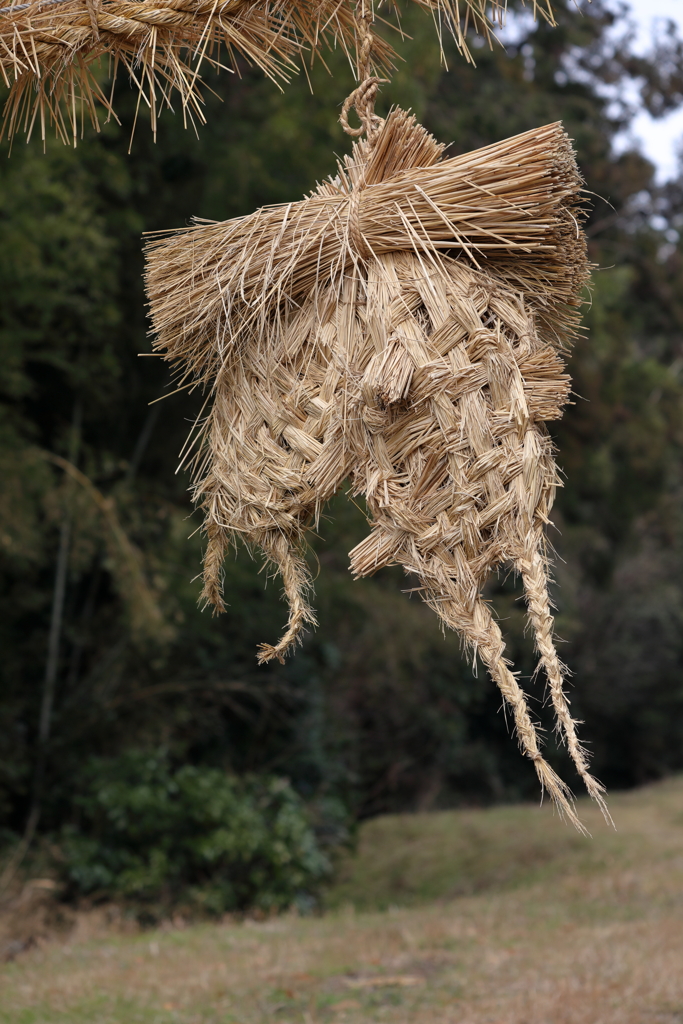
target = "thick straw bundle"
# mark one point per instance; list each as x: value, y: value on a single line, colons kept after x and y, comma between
x: 48, y: 47
x: 402, y: 327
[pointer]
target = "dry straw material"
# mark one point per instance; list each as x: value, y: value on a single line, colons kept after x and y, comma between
x: 401, y: 328
x: 51, y: 51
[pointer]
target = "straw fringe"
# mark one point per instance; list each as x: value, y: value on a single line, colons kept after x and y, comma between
x: 401, y: 327
x: 48, y: 48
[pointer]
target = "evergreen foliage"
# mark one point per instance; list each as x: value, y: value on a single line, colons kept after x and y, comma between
x: 154, y: 835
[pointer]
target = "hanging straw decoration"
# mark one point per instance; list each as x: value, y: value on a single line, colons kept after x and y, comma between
x: 51, y: 51
x: 402, y: 328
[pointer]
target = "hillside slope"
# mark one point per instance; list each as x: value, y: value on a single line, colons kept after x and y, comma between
x: 502, y: 916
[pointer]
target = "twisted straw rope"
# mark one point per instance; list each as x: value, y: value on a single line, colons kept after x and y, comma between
x: 363, y: 97
x: 48, y: 49
x: 47, y: 52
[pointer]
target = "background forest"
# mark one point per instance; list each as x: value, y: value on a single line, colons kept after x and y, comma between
x: 140, y: 741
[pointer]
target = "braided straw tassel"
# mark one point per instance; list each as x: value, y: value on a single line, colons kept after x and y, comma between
x: 402, y: 328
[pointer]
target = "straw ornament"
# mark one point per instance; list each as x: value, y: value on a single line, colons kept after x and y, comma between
x: 55, y: 54
x: 401, y: 328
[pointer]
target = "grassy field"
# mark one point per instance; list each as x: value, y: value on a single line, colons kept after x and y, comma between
x: 502, y: 916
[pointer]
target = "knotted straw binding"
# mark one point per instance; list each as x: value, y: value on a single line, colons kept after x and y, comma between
x: 402, y: 327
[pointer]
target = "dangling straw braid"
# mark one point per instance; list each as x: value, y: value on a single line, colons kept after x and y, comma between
x: 402, y: 328
x: 48, y: 48
x: 296, y: 579
x: 534, y: 573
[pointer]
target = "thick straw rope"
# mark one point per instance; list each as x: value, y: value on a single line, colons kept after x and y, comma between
x: 51, y: 50
x: 402, y: 327
x: 48, y: 49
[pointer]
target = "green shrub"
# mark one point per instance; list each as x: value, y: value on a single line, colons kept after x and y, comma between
x: 152, y: 834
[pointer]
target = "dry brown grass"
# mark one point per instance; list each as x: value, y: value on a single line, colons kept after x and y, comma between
x: 593, y: 935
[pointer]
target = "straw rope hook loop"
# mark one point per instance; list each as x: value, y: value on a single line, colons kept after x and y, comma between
x: 363, y: 96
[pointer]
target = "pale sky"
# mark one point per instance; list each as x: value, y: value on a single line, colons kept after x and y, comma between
x: 660, y: 139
